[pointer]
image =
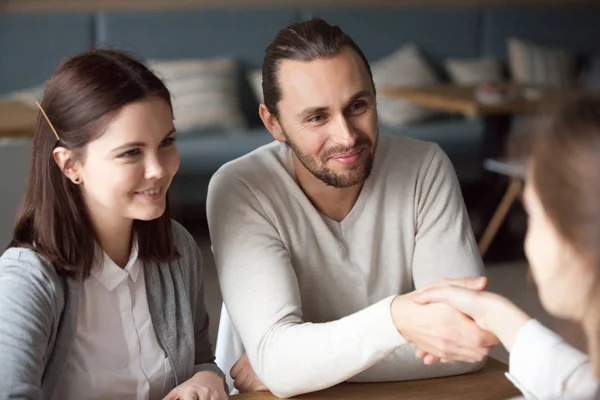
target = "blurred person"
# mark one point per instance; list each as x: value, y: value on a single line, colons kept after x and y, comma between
x: 562, y: 200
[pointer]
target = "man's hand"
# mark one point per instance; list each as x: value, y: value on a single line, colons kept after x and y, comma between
x: 245, y: 379
x: 490, y: 311
x: 440, y: 330
x: 205, y: 385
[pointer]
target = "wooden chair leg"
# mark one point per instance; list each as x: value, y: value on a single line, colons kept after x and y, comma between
x: 512, y: 193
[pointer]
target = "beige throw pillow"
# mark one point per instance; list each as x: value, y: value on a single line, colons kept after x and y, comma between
x: 473, y: 71
x: 204, y: 93
x: 540, y: 65
x: 405, y: 67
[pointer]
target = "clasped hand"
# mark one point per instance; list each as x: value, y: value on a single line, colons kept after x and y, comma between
x: 441, y: 331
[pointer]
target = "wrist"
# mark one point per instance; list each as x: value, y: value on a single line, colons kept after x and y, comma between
x: 207, y: 375
x: 399, y: 311
x: 508, y: 322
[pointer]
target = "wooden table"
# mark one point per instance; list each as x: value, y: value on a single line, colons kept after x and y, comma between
x: 489, y: 383
x: 17, y: 119
x: 463, y: 99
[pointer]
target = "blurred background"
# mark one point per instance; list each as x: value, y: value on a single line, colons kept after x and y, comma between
x: 463, y: 74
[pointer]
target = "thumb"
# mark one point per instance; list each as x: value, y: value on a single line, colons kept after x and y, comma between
x: 452, y: 295
x: 463, y: 300
x: 477, y: 283
x: 434, y: 295
x: 172, y: 395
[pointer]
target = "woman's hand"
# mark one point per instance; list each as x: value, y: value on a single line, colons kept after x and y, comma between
x: 205, y: 385
x: 490, y: 311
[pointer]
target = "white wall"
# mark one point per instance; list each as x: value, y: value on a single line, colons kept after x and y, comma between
x: 15, y: 155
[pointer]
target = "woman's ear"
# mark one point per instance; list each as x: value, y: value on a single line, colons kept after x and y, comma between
x: 64, y: 159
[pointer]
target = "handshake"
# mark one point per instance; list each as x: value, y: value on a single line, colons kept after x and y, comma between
x: 456, y: 320
x: 450, y: 320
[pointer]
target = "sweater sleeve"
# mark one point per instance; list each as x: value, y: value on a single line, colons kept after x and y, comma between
x: 261, y: 293
x: 444, y: 242
x: 26, y: 318
x: 544, y: 366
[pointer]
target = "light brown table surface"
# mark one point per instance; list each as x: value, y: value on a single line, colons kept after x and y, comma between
x: 489, y: 383
x: 16, y: 119
x: 462, y: 99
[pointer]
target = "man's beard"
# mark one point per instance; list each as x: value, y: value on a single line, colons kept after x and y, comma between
x: 356, y: 174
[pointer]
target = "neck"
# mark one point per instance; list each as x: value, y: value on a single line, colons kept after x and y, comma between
x: 591, y: 325
x: 333, y: 202
x: 114, y: 237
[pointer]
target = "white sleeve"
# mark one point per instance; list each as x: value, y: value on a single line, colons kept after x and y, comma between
x: 544, y: 366
x: 261, y: 293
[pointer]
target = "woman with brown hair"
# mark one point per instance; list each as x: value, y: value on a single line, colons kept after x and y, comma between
x: 562, y: 199
x: 101, y: 293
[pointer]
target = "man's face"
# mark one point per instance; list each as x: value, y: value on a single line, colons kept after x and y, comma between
x: 328, y: 116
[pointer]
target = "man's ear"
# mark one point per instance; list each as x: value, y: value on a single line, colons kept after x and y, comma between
x: 271, y: 123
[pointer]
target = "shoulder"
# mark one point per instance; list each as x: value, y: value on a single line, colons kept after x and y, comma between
x: 190, y: 257
x: 252, y: 169
x: 28, y: 278
x: 182, y: 238
x: 410, y: 160
x: 402, y: 149
x: 28, y: 264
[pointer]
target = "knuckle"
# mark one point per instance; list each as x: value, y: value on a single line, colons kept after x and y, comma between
x: 444, y: 350
x: 446, y: 340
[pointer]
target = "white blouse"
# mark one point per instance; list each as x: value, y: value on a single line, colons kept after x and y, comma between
x: 116, y: 353
x: 544, y: 366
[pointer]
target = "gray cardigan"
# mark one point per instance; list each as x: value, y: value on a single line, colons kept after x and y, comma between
x: 38, y: 318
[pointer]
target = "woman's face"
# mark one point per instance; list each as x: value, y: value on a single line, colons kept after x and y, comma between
x: 559, y: 271
x: 126, y: 172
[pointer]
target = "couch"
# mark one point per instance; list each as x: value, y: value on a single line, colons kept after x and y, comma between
x: 32, y: 45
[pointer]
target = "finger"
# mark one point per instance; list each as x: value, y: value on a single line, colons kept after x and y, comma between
x: 476, y: 283
x: 222, y: 396
x: 476, y: 338
x: 430, y: 360
x: 421, y: 353
x: 460, y: 355
x: 191, y: 395
x: 489, y: 340
x: 242, y: 384
x: 466, y: 354
x: 446, y: 294
x: 445, y: 361
x: 470, y: 356
x: 173, y: 395
x: 237, y: 367
x: 452, y: 351
x: 238, y: 384
x: 256, y: 386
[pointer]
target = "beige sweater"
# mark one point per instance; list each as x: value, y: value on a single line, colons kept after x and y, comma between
x: 310, y: 297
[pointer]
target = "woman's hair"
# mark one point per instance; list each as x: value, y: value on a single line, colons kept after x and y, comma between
x: 80, y: 100
x: 565, y: 172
